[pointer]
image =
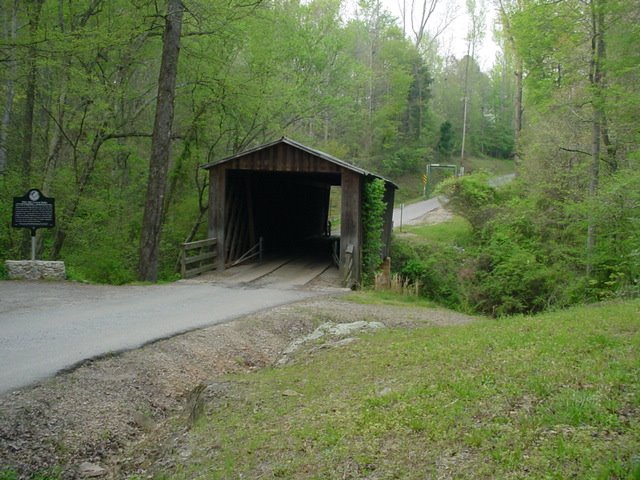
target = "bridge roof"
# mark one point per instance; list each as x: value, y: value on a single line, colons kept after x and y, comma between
x: 299, y: 146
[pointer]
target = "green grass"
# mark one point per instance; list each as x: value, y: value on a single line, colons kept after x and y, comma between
x: 385, y: 297
x: 495, y: 166
x: 456, y: 231
x: 554, y: 396
x: 13, y: 475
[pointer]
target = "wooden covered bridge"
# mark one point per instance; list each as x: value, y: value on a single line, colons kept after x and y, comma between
x: 278, y: 195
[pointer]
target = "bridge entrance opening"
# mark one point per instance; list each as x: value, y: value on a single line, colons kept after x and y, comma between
x: 285, y: 196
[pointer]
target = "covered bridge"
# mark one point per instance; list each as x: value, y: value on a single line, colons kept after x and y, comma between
x: 280, y: 192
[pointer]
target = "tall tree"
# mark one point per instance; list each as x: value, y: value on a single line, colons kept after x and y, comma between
x: 161, y: 144
x: 474, y: 37
x: 507, y: 9
x: 34, y: 8
x: 10, y: 27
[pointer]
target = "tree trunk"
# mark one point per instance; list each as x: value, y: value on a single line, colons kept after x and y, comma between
x: 597, y: 84
x: 160, y: 144
x: 518, y: 73
x: 517, y: 104
x: 465, y: 106
x: 11, y: 27
x: 34, y: 8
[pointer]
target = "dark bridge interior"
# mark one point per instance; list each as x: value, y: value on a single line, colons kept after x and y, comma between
x: 290, y: 211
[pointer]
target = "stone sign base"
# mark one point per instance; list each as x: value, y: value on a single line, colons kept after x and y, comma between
x: 35, y: 270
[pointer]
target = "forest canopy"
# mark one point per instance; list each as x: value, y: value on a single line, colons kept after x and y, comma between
x: 81, y: 83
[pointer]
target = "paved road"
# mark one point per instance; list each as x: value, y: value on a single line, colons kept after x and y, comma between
x: 46, y: 327
x: 413, y: 212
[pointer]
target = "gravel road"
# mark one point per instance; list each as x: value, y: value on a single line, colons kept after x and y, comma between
x: 47, y: 327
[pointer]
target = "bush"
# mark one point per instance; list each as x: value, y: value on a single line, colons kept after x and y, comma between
x: 507, y: 278
x: 471, y: 197
x: 373, y: 220
x: 105, y: 264
x: 434, y: 267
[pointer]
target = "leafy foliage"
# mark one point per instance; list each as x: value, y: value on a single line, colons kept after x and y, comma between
x: 445, y: 142
x: 470, y: 196
x: 373, y: 208
x: 248, y: 73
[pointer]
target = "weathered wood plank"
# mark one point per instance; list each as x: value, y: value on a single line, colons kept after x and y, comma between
x: 350, y: 224
x: 198, y: 258
x: 197, y: 271
x: 218, y: 208
x: 199, y: 244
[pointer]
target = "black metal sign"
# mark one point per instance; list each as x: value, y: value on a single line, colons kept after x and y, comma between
x: 33, y: 211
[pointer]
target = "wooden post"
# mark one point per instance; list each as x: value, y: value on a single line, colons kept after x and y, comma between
x: 351, y: 224
x: 217, y: 209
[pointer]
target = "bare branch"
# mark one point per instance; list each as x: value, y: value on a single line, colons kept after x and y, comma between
x: 574, y: 150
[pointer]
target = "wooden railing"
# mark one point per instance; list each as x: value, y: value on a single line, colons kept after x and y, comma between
x: 198, y: 257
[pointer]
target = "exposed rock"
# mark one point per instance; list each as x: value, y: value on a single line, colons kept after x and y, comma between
x: 91, y: 470
x: 291, y: 393
x: 329, y: 328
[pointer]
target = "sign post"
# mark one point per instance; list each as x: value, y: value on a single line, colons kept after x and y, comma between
x: 33, y: 211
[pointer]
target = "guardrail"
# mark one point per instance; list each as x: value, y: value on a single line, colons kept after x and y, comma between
x: 198, y: 257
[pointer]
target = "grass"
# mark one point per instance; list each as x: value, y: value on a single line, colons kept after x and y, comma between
x: 385, y: 297
x: 495, y: 166
x: 554, y: 396
x: 456, y: 231
x: 13, y: 475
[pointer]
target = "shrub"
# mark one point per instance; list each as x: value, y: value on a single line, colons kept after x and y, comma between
x: 373, y: 220
x: 507, y: 278
x: 434, y: 267
x: 471, y: 197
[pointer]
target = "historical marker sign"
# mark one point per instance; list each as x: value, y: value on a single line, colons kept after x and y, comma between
x: 33, y: 211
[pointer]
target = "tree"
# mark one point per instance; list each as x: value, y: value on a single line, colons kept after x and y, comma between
x: 508, y: 9
x: 445, y: 142
x: 161, y: 144
x: 474, y: 37
x: 10, y: 22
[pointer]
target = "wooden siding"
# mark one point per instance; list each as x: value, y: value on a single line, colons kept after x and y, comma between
x: 351, y: 225
x: 217, y: 211
x: 282, y: 158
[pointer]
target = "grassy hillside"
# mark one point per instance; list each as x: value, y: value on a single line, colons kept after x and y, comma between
x: 551, y: 396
